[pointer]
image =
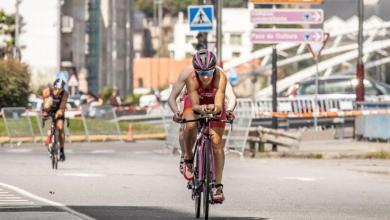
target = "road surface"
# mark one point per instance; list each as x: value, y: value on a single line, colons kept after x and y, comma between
x: 140, y: 181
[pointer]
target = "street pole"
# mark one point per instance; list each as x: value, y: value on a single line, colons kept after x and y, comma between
x: 114, y: 45
x: 159, y: 2
x: 219, y: 5
x: 17, y: 27
x: 274, y: 79
x: 59, y: 33
x: 360, y: 64
x: 202, y: 36
x: 129, y: 48
x: 316, y: 112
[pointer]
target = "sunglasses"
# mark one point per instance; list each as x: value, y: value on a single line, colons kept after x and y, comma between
x: 205, y: 72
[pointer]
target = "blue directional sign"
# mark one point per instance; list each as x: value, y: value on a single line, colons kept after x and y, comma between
x: 201, y: 17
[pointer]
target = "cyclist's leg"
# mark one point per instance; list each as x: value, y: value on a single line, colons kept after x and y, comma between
x: 219, y: 154
x: 61, y: 136
x: 181, y: 142
x: 189, y: 136
x: 217, y: 130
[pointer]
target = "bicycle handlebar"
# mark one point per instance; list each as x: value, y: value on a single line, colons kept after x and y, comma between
x: 208, y: 116
x: 52, y: 116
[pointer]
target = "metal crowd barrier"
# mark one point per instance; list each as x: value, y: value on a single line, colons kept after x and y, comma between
x: 18, y: 125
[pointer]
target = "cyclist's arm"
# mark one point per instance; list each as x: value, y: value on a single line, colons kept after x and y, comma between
x: 220, y: 94
x: 231, y: 99
x: 45, y: 96
x: 193, y: 94
x: 176, y: 89
x: 61, y: 110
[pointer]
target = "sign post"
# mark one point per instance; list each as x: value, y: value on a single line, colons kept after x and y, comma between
x: 73, y: 83
x: 316, y: 49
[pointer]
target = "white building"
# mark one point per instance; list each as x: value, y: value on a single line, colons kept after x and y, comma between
x: 236, y: 28
x: 40, y: 37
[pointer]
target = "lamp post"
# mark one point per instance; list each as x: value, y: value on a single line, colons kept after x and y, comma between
x: 360, y: 64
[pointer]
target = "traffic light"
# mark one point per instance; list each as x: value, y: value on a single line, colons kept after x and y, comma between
x: 202, y: 40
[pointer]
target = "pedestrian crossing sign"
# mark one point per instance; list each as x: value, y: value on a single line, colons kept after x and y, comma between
x: 201, y: 17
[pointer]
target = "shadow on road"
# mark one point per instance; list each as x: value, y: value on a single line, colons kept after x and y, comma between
x: 129, y: 212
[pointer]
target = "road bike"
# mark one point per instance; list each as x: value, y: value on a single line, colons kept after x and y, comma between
x: 54, y: 141
x: 204, y: 171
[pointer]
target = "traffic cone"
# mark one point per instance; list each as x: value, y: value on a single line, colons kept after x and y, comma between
x: 130, y: 133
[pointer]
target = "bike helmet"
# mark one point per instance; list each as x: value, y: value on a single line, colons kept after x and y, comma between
x: 204, y: 60
x: 59, y: 84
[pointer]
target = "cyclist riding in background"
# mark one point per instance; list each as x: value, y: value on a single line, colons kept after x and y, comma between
x: 206, y: 87
x: 54, y: 102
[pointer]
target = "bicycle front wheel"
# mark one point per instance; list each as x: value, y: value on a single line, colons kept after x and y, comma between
x: 196, y: 186
x: 207, y: 180
x: 55, y: 151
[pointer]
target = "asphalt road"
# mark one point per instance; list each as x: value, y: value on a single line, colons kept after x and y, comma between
x: 139, y: 181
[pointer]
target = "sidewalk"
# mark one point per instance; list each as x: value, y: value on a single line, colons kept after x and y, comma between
x: 323, y: 145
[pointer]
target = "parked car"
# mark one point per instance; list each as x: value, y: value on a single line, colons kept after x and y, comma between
x: 338, y: 84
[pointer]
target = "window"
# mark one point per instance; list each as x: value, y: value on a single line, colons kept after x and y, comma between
x: 189, y: 38
x: 369, y: 89
x: 310, y: 88
x: 236, y: 54
x: 338, y: 87
x: 235, y: 39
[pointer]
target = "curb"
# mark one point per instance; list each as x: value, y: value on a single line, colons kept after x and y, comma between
x: 83, y: 138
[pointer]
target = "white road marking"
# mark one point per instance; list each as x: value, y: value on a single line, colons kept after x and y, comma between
x: 3, y: 192
x: 19, y: 206
x: 52, y: 203
x: 21, y: 150
x: 104, y: 151
x: 304, y: 179
x: 81, y: 174
x: 10, y: 197
x: 13, y: 200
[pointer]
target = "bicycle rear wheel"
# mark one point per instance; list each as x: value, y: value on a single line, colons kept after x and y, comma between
x: 207, y: 180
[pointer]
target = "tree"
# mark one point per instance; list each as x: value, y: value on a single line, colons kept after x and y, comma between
x: 7, y: 32
x: 14, y: 84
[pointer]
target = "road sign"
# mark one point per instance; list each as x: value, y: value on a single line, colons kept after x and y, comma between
x: 271, y: 36
x: 287, y: 1
x: 73, y: 82
x: 201, y: 17
x: 287, y: 16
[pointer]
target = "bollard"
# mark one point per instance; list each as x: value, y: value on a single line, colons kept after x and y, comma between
x: 130, y: 137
